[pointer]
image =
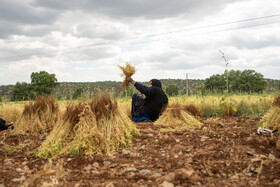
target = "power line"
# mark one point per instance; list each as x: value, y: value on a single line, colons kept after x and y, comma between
x: 75, y: 49
x: 219, y: 24
x: 215, y: 31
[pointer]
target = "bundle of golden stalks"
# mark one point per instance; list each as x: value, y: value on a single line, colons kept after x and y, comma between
x: 271, y: 119
x: 10, y: 112
x: 176, y: 117
x: 128, y: 71
x: 39, y: 116
x: 98, y: 126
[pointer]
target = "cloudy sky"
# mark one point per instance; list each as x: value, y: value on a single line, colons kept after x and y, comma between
x: 86, y: 40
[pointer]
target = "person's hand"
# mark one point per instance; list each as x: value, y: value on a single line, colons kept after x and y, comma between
x: 142, y: 95
x: 129, y: 79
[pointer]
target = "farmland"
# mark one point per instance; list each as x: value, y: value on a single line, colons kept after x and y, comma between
x: 224, y: 150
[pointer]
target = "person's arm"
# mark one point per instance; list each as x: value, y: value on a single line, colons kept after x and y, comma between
x: 140, y: 87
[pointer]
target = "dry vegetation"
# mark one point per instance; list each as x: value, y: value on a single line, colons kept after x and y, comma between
x: 98, y: 126
x: 127, y: 71
x: 176, y: 117
x: 39, y: 116
x: 271, y: 119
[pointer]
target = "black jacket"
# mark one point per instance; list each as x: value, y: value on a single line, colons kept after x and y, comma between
x: 2, y: 124
x: 155, y: 100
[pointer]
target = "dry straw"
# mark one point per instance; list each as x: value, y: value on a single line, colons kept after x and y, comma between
x: 39, y: 116
x: 98, y: 126
x: 127, y: 71
x: 48, y: 176
x: 176, y: 117
x: 10, y: 112
x: 271, y: 119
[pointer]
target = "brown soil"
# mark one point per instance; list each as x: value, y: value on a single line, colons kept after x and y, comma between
x: 225, y: 152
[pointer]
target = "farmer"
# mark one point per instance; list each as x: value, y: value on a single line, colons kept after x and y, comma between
x: 150, y: 103
x: 4, y: 126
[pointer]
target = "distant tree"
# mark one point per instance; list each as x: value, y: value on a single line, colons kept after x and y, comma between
x: 21, y: 92
x: 58, y: 96
x: 250, y: 81
x: 246, y: 81
x: 172, y: 90
x: 78, y: 93
x: 43, y: 83
x: 128, y: 92
x: 68, y: 97
x: 233, y: 83
x: 215, y: 83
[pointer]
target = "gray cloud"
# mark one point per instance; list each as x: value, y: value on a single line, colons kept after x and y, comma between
x: 250, y: 42
x: 17, y: 11
x: 7, y: 29
x: 103, y: 31
x: 19, y: 18
x: 144, y: 8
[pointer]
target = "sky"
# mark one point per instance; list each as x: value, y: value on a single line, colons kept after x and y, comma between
x: 86, y: 40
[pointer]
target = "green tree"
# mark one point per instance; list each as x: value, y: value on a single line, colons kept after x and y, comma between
x: 21, y: 92
x: 215, y: 83
x: 43, y: 83
x: 172, y: 90
x: 250, y: 81
x: 246, y: 81
x: 233, y: 83
x: 78, y: 93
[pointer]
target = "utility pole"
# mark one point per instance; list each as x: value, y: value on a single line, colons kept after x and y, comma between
x: 187, y: 82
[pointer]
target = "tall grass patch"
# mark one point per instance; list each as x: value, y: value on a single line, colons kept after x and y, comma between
x: 11, y: 111
x: 224, y: 106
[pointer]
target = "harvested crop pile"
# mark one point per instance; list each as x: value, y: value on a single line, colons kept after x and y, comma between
x: 95, y: 127
x: 176, y: 117
x: 39, y: 116
x: 127, y: 71
x: 191, y: 109
x: 271, y: 119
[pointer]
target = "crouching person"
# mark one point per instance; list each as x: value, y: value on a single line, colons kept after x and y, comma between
x: 5, y: 126
x: 150, y: 103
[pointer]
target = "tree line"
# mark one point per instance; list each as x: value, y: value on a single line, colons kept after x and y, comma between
x: 234, y: 81
x: 247, y: 81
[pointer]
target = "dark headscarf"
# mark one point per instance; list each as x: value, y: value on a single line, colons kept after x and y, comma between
x: 156, y: 82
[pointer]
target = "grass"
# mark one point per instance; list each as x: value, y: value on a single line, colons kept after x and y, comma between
x: 207, y: 106
x: 222, y: 106
x: 8, y: 149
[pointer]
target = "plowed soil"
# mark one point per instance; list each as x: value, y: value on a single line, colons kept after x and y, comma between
x: 224, y: 152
